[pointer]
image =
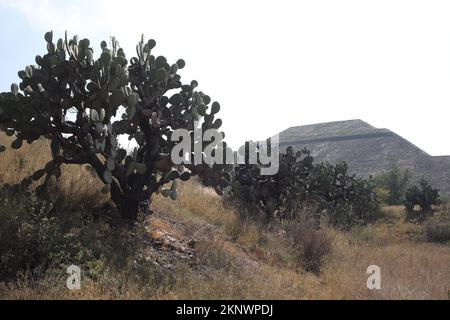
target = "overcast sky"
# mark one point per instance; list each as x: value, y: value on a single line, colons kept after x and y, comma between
x: 273, y: 64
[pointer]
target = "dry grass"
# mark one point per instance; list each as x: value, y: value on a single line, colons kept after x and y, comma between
x: 202, y: 205
x: 18, y: 164
x: 76, y: 184
x: 411, y: 269
x: 312, y: 246
x: 238, y: 259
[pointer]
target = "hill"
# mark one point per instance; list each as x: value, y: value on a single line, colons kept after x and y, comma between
x: 368, y: 150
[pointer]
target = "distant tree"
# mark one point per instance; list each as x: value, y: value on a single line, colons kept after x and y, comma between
x: 383, y: 194
x: 395, y: 182
x: 423, y: 196
x: 82, y: 105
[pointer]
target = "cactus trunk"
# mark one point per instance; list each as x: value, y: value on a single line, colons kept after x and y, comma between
x: 129, y: 207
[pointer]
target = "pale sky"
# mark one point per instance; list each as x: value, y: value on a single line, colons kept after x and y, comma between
x: 273, y: 64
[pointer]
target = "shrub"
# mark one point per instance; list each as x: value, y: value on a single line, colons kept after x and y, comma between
x: 312, y: 246
x: 36, y: 236
x: 383, y: 195
x: 76, y: 103
x: 438, y: 232
x: 396, y: 182
x: 423, y: 196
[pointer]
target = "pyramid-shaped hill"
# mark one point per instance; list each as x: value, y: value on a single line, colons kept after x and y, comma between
x: 368, y: 150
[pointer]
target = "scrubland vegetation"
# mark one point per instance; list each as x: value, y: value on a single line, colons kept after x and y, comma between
x: 140, y: 225
x: 199, y: 247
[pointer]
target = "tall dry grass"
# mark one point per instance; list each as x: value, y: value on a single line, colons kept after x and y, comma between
x: 77, y: 187
x: 265, y: 262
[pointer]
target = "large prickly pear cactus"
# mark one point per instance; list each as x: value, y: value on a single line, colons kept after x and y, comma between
x: 280, y: 195
x: 82, y: 105
x: 346, y: 199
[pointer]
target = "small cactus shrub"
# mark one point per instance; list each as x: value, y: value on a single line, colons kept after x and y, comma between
x: 425, y: 197
x: 83, y: 104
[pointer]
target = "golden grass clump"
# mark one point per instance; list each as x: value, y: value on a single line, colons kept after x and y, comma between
x: 77, y: 185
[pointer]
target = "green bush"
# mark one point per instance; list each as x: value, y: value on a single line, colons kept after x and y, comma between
x: 36, y: 236
x: 383, y: 194
x: 396, y: 182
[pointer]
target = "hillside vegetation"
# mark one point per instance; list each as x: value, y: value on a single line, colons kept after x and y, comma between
x: 197, y: 247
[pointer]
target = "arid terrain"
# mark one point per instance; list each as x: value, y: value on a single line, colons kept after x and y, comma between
x: 199, y: 248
